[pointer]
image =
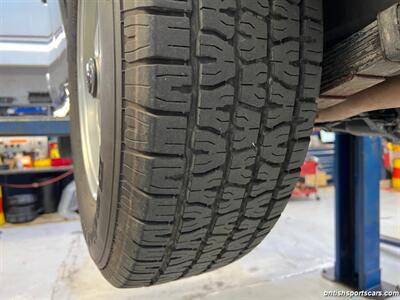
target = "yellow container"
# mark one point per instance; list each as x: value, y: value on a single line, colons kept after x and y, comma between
x: 396, y: 163
x: 396, y: 148
x: 396, y: 174
x: 42, y: 163
x: 54, y: 151
x: 2, y: 217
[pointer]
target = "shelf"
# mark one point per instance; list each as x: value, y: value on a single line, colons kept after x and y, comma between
x: 34, y: 126
x: 35, y: 170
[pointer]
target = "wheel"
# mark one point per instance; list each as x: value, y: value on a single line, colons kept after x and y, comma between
x: 190, y: 121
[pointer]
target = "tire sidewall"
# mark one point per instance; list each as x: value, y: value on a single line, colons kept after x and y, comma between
x: 97, y: 215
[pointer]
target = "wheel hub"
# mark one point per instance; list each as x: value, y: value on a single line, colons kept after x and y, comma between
x: 91, y: 77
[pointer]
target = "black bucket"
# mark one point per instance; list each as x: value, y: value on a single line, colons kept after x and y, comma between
x: 49, y: 196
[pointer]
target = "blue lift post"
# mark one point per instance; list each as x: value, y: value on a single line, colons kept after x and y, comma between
x: 357, y: 179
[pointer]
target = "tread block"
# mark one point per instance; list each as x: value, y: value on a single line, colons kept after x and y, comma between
x: 214, y: 106
x: 258, y: 7
x: 267, y: 179
x: 157, y: 134
x: 184, y: 5
x: 286, y: 9
x: 313, y: 47
x: 145, y: 207
x: 232, y: 199
x: 252, y: 90
x: 154, y: 235
x: 210, y: 151
x: 286, y: 25
x: 253, y: 43
x: 215, y: 16
x: 278, y: 207
x: 290, y: 179
x: 207, y: 181
x: 247, y: 122
x: 299, y: 153
x: 311, y: 9
x: 203, y: 197
x: 225, y: 223
x: 312, y: 75
x: 219, y: 54
x: 160, y: 87
x: 257, y: 206
x: 308, y: 111
x: 274, y: 147
x: 156, y: 36
x: 284, y: 56
x: 284, y: 29
x: 240, y: 170
x: 154, y: 175
x: 282, y: 105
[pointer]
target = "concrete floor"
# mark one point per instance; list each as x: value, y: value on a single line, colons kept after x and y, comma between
x: 50, y: 261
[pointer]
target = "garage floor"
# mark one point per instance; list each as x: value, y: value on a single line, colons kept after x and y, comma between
x: 50, y: 261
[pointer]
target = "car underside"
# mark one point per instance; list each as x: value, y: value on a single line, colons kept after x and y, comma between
x: 359, y: 90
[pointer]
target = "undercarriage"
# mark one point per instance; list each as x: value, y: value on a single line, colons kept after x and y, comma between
x: 360, y: 87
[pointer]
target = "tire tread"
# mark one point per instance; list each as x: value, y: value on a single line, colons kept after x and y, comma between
x: 218, y: 106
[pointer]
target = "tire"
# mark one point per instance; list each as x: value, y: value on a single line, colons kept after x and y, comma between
x: 214, y: 105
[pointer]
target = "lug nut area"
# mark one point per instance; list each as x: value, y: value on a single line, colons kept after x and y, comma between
x: 91, y: 77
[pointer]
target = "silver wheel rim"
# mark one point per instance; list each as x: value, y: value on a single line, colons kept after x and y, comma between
x: 89, y: 55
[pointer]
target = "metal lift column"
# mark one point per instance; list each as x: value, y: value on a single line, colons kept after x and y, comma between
x: 357, y: 178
